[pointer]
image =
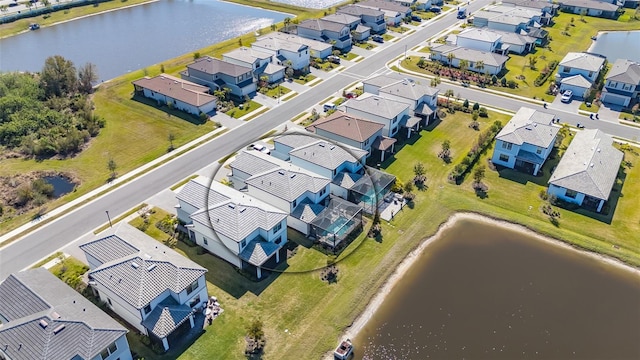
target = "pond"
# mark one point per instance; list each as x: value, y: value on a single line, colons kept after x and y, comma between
x: 61, y: 185
x: 312, y: 4
x: 482, y: 291
x: 129, y: 39
x: 618, y: 45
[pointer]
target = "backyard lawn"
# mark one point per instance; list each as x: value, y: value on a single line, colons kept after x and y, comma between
x: 244, y: 109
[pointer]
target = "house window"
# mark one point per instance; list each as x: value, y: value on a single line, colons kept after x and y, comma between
x: 507, y: 145
x: 394, y: 130
x: 278, y: 240
x: 323, y: 191
x: 366, y: 142
x: 504, y: 157
x: 295, y: 203
x: 571, y: 194
x: 110, y: 350
x: 277, y: 228
x: 204, y: 239
x: 195, y: 301
x: 243, y: 243
x: 590, y: 73
x: 192, y: 287
x: 539, y: 151
x: 147, y: 309
x: 566, y: 69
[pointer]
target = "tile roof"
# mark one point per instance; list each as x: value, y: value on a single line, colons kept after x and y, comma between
x: 381, y: 80
x: 413, y: 90
x: 589, y: 165
x: 346, y: 180
x: 509, y: 19
x: 383, y: 143
x: 307, y: 211
x: 295, y: 140
x: 327, y: 155
x: 141, y: 277
x: 272, y: 68
x: 343, y: 19
x: 320, y: 24
x: 212, y: 66
x: 185, y: 91
x: 529, y: 126
x: 358, y: 11
x: 583, y: 61
x: 625, y: 71
x: 360, y: 29
x: 254, y: 162
x: 384, y: 5
x: 108, y: 249
x: 287, y: 184
x: 239, y: 216
x: 276, y: 42
x: 347, y: 126
x: 257, y: 251
x: 536, y: 4
x: 167, y: 316
x: 515, y: 38
x: 197, y: 193
x: 247, y: 54
x: 590, y: 4
x: 61, y: 324
x: 576, y: 80
x: 299, y: 40
x: 461, y: 53
x: 376, y: 105
x: 481, y: 34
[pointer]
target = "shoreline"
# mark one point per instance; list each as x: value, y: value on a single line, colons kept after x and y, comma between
x: 593, y: 42
x: 374, y: 304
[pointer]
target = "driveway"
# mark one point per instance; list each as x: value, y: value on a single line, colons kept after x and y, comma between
x: 573, y: 106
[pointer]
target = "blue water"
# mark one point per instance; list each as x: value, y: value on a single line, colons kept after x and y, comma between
x: 130, y: 39
x: 618, y: 45
x: 339, y: 227
x: 313, y: 4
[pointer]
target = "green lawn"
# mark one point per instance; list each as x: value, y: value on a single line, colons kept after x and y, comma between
x: 305, y: 79
x: 243, y: 109
x: 277, y: 91
x: 399, y: 29
x: 366, y: 46
x: 348, y: 56
x: 387, y: 37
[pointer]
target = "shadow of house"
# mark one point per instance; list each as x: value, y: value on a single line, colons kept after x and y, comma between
x: 196, y: 120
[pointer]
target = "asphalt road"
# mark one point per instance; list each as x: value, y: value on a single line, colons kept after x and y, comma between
x: 82, y: 220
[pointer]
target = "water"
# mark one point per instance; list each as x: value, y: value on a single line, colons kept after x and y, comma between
x: 312, y: 4
x: 61, y: 185
x: 484, y: 292
x: 129, y: 39
x: 618, y: 45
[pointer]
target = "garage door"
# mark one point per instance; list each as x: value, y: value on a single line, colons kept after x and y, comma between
x: 577, y: 90
x: 614, y: 99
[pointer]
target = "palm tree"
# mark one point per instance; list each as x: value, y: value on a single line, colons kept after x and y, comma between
x: 450, y: 57
x: 463, y: 64
x: 449, y: 93
x: 480, y: 65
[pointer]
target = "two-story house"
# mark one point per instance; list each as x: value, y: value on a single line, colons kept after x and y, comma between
x: 259, y: 61
x: 526, y: 141
x: 338, y: 34
x: 285, y: 52
x: 372, y: 18
x: 146, y: 283
x: 177, y: 93
x: 244, y: 231
x: 578, y: 71
x: 544, y: 6
x: 587, y: 171
x: 41, y: 317
x: 392, y: 114
x: 317, y: 49
x: 393, y: 13
x: 498, y: 41
x: 622, y: 84
x: 603, y: 9
x: 218, y: 74
x: 492, y: 63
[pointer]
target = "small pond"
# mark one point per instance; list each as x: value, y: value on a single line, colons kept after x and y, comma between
x: 61, y: 185
x: 618, y: 45
x: 312, y: 4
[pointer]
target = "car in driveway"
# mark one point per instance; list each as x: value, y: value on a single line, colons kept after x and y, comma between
x: 334, y: 59
x: 566, y: 96
x: 350, y: 95
x: 377, y: 38
x: 328, y: 107
x: 262, y: 148
x: 435, y: 9
x: 416, y: 18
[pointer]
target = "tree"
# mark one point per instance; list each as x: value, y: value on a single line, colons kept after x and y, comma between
x: 480, y: 65
x: 463, y: 64
x: 287, y: 22
x: 450, y: 57
x: 196, y: 55
x: 289, y: 72
x: 87, y: 76
x: 256, y: 341
x: 171, y: 137
x: 445, y: 153
x: 435, y: 81
x: 449, y: 93
x: 58, y: 76
x: 419, y: 172
x: 478, y: 174
x: 532, y: 62
x: 465, y: 104
x: 112, y: 166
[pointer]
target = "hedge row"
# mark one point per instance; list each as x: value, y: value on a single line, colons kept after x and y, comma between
x: 484, y: 140
x: 544, y: 75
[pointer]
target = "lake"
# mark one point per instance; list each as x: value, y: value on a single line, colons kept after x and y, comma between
x: 618, y: 45
x: 312, y: 4
x: 130, y: 39
x: 484, y: 292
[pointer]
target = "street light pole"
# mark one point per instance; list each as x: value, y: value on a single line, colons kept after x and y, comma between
x: 108, y: 217
x: 405, y: 52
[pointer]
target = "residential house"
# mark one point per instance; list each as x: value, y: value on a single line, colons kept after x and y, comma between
x: 354, y: 131
x: 298, y: 192
x: 526, y: 141
x: 41, y: 317
x: 392, y: 114
x: 372, y: 18
x: 232, y: 225
x: 485, y: 39
x: 286, y: 52
x: 491, y: 63
x: 517, y: 43
x: 218, y: 74
x: 177, y: 93
x: 622, y: 84
x: 259, y: 61
x: 578, y: 71
x: 393, y: 13
x: 595, y: 8
x: 543, y: 5
x: 587, y: 171
x: 339, y: 35
x: 359, y: 32
x: 317, y: 49
x: 146, y: 283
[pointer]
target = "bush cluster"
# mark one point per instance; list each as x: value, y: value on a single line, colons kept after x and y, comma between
x: 545, y: 73
x: 484, y: 140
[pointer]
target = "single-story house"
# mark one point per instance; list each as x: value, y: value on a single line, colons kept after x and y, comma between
x: 146, y: 283
x: 218, y: 74
x: 372, y: 18
x: 587, y: 171
x: 177, y: 93
x: 339, y: 35
x: 285, y: 50
x: 622, y: 84
x: 492, y: 63
x: 526, y: 141
x: 41, y: 317
x: 591, y: 8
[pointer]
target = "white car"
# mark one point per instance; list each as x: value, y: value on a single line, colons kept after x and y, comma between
x: 261, y: 148
x: 566, y: 96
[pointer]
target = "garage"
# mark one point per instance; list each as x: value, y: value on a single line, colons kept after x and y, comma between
x: 614, y: 99
x: 576, y: 83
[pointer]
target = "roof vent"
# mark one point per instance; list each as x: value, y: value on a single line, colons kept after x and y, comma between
x: 332, y: 147
x: 147, y: 256
x: 44, y: 323
x: 281, y: 172
x: 232, y: 206
x: 135, y: 265
x: 292, y: 176
x: 55, y: 315
x: 151, y: 267
x: 58, y: 329
x: 321, y: 144
x: 591, y: 165
x: 598, y: 150
x: 243, y: 210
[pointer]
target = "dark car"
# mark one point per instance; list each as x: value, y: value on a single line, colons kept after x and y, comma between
x: 377, y: 38
x: 334, y: 59
x: 435, y: 9
x: 416, y: 18
x: 351, y: 95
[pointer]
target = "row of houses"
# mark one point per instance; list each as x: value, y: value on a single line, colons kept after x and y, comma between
x: 587, y: 171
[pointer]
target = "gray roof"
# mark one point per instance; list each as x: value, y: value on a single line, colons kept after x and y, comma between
x: 239, y: 216
x: 166, y: 317
x: 583, y: 61
x: 306, y: 211
x: 253, y: 162
x: 272, y: 68
x: 320, y: 24
x: 376, y: 105
x: 62, y: 324
x: 140, y: 277
x: 480, y: 34
x: 590, y: 4
x: 625, y: 71
x: 536, y: 4
x: 295, y: 140
x: 346, y: 180
x: 327, y: 155
x: 529, y: 126
x: 361, y: 29
x: 287, y: 184
x: 247, y: 54
x: 409, y: 90
x: 212, y: 66
x: 461, y: 53
x: 344, y: 19
x: 359, y: 11
x: 258, y: 251
x: 381, y: 80
x: 590, y: 164
x: 509, y: 19
x: 577, y: 80
x: 384, y: 5
x: 296, y: 42
x: 197, y: 191
x: 179, y: 89
x: 515, y: 38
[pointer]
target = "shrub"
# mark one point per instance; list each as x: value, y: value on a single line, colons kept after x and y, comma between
x: 545, y: 73
x: 483, y: 112
x: 484, y: 139
x: 476, y: 107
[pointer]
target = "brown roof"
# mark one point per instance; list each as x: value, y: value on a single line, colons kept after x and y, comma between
x: 383, y: 143
x: 348, y: 126
x: 212, y: 66
x: 173, y: 87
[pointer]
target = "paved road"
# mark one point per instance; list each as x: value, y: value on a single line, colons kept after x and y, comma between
x: 64, y: 230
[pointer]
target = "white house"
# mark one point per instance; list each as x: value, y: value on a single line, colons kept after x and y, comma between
x: 579, y: 63
x: 526, y: 141
x: 477, y: 61
x: 233, y: 225
x: 393, y: 12
x: 622, y: 84
x: 259, y: 61
x: 317, y: 49
x: 338, y: 34
x: 180, y: 94
x: 373, y: 18
x: 41, y: 317
x: 218, y: 74
x: 146, y: 283
x: 587, y: 171
x: 390, y: 113
x: 578, y: 84
x: 490, y: 40
x: 421, y: 98
x: 285, y: 51
x: 604, y: 9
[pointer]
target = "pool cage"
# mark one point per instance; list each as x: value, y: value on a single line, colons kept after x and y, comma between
x: 370, y: 190
x: 336, y: 222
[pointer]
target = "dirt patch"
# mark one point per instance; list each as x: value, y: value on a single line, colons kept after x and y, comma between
x: 17, y: 195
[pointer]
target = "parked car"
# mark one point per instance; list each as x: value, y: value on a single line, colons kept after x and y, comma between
x: 435, y: 9
x: 350, y: 95
x: 262, y: 148
x: 566, y: 96
x: 334, y: 59
x: 377, y: 38
x: 327, y: 107
x: 416, y: 18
